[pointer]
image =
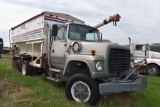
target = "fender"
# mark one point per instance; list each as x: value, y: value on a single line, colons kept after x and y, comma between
x: 153, y: 61
x: 89, y: 60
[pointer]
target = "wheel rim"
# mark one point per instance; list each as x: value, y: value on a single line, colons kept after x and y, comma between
x: 80, y: 91
x: 152, y: 70
x: 24, y: 69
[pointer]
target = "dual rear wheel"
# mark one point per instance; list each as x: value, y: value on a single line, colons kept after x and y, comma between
x: 26, y: 68
x: 23, y: 66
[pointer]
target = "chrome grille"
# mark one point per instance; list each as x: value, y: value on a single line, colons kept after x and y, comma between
x: 119, y: 60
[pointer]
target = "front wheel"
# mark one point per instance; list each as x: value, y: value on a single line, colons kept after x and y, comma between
x: 153, y: 70
x: 82, y: 88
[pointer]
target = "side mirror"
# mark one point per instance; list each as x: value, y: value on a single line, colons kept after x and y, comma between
x: 143, y: 48
x: 100, y: 36
x: 54, y: 30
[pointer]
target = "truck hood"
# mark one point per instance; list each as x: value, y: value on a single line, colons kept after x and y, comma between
x: 101, y: 48
x: 154, y: 54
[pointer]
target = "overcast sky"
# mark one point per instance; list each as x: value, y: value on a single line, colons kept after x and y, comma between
x: 140, y: 19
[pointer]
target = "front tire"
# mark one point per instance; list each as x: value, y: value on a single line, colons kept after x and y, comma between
x: 153, y: 70
x: 82, y: 88
x: 26, y: 68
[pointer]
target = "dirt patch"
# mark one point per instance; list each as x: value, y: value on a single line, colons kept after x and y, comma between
x: 17, y: 91
x: 123, y: 98
x: 22, y: 102
x: 10, y: 92
x: 3, y: 86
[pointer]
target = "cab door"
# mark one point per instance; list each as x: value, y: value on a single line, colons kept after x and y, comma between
x: 141, y: 52
x: 58, y: 49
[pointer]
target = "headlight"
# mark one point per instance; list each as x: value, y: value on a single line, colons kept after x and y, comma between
x: 99, y: 66
x: 132, y: 64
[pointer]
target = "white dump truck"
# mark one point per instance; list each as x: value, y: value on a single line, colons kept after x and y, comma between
x: 141, y: 52
x: 66, y: 49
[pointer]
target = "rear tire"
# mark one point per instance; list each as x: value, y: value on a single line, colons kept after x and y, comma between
x: 82, y: 88
x: 153, y: 70
x: 26, y: 68
x: 35, y: 71
x: 19, y: 65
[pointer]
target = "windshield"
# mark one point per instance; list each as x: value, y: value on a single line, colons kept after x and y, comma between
x: 83, y: 33
x: 139, y: 47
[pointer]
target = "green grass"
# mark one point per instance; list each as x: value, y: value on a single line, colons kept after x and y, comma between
x: 35, y: 91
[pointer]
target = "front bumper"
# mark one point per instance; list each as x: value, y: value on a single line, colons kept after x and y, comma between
x: 118, y: 87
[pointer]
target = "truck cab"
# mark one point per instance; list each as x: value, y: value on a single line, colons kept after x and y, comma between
x: 141, y: 52
x: 79, y: 48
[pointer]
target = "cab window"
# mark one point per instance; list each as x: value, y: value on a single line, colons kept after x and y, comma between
x: 138, y: 47
x: 61, y: 35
